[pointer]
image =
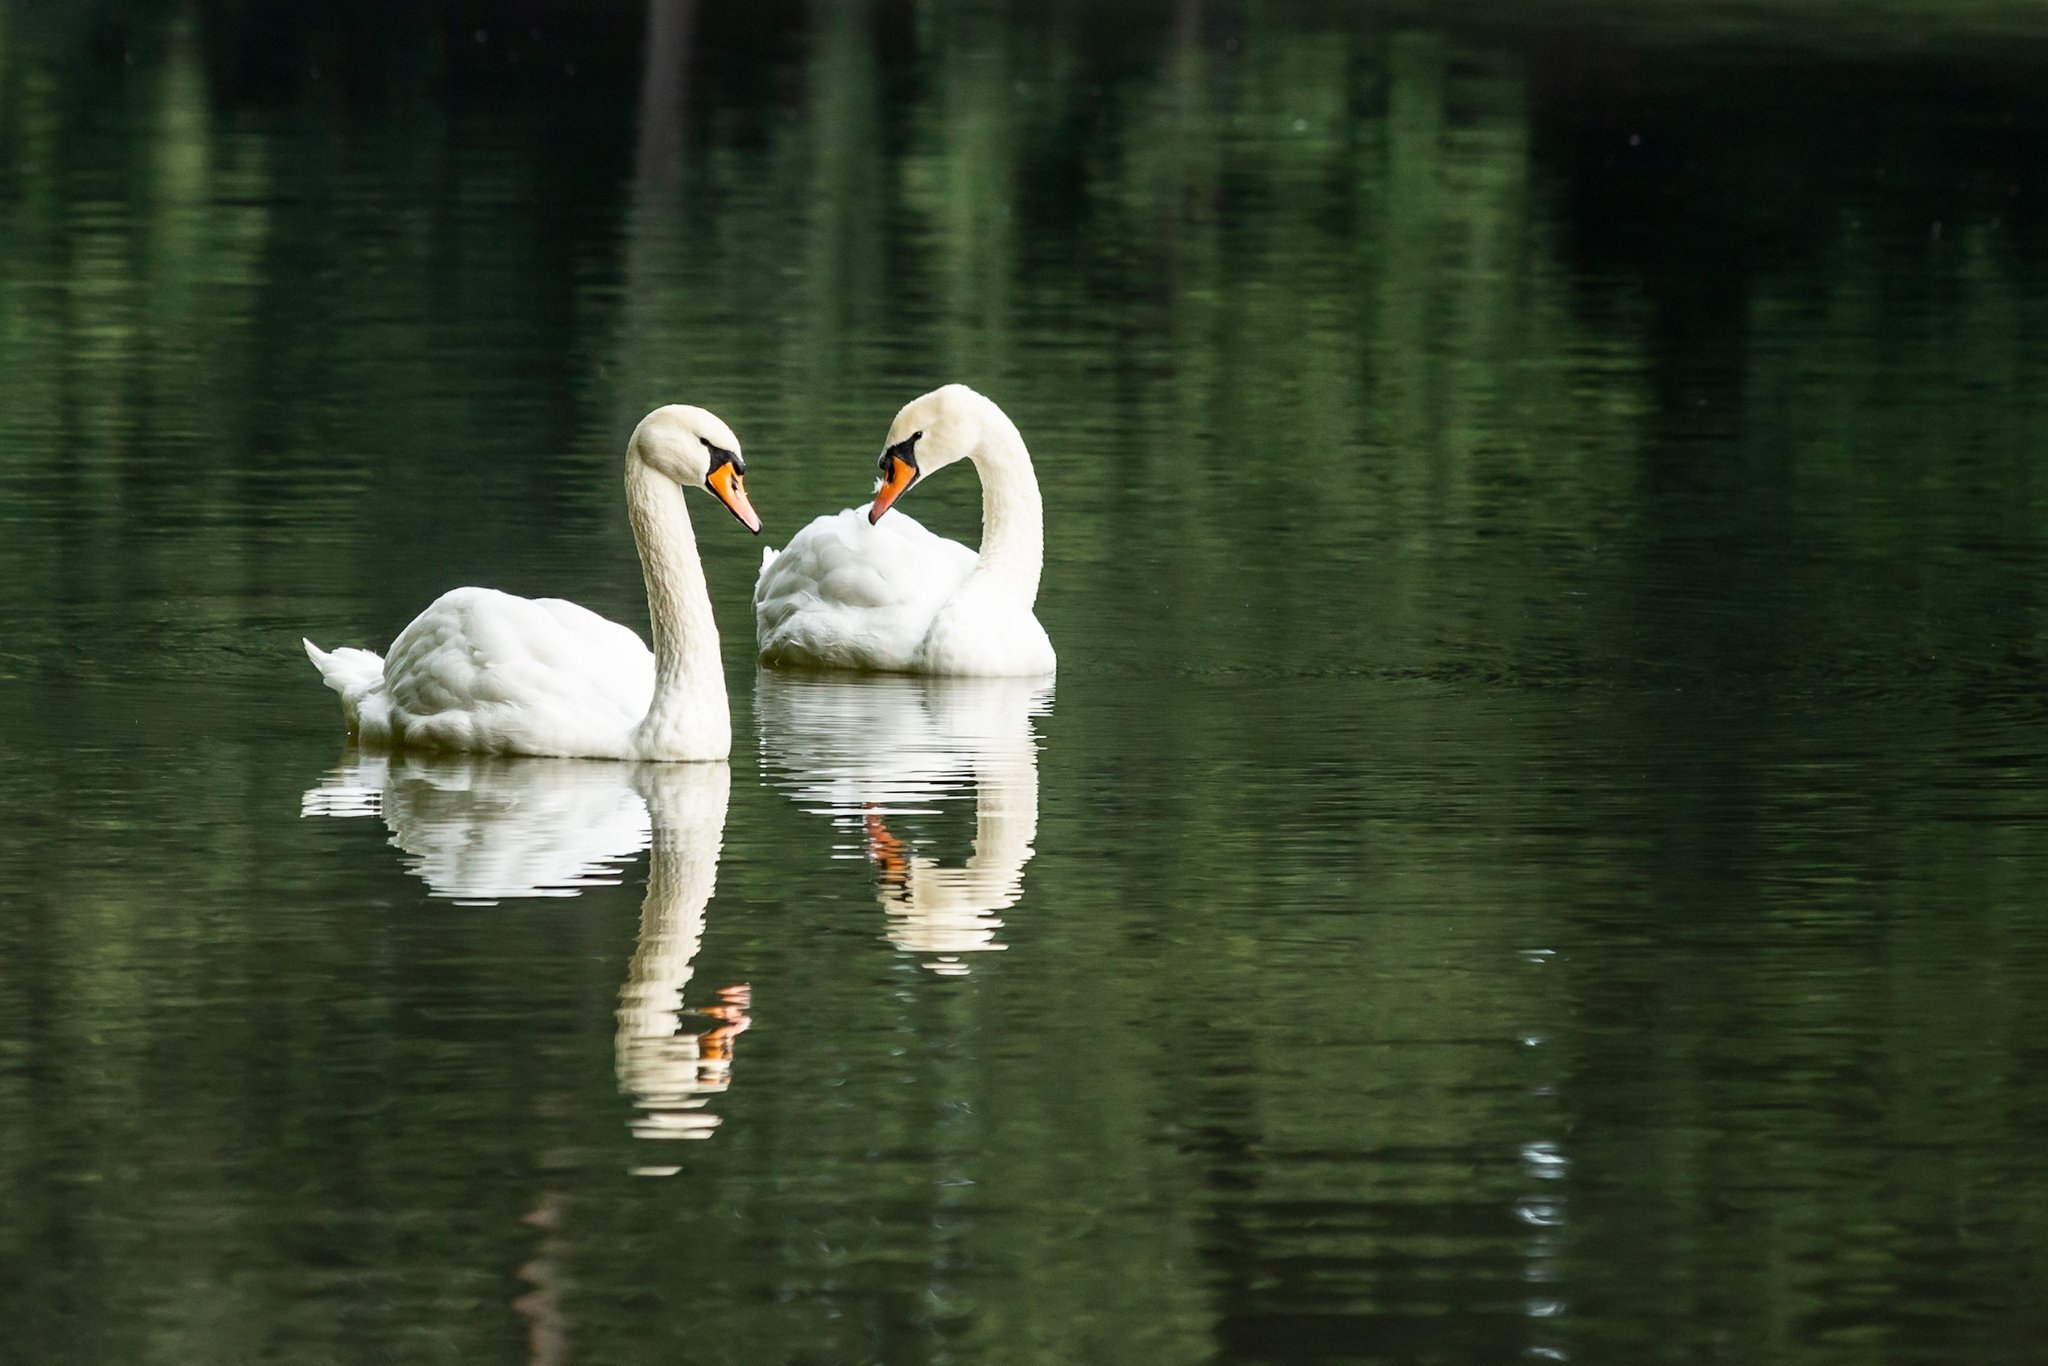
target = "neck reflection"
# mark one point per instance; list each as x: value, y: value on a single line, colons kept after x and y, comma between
x: 478, y: 830
x: 872, y: 753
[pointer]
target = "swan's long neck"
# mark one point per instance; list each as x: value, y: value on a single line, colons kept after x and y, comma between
x: 687, y: 717
x: 1012, y: 513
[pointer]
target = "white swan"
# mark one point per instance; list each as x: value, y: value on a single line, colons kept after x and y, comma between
x: 861, y: 591
x: 866, y: 751
x: 479, y: 829
x: 486, y: 672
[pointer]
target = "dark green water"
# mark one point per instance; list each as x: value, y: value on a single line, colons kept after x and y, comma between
x: 1536, y: 850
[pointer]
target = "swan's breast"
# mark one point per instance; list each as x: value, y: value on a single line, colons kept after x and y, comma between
x: 986, y: 637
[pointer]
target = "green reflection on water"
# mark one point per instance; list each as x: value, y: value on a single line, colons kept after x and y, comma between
x: 1533, y: 847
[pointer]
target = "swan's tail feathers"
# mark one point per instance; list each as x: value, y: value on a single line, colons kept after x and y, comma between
x: 351, y: 672
x: 346, y: 670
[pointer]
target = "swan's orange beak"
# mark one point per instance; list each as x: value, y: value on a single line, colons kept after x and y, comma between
x: 729, y: 488
x: 901, y: 473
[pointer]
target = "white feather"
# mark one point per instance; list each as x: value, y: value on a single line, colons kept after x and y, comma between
x: 844, y: 594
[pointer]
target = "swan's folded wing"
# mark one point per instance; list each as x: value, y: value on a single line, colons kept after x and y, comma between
x: 847, y: 594
x: 499, y: 672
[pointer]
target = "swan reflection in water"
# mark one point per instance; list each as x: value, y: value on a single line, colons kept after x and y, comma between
x: 478, y: 830
x: 865, y: 751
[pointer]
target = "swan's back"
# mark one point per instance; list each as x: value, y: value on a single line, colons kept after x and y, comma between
x: 850, y: 595
x: 485, y: 671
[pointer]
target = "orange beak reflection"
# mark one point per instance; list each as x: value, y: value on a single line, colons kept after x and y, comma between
x: 901, y: 473
x: 730, y: 489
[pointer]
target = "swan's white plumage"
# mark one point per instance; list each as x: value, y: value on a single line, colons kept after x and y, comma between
x: 358, y: 675
x: 843, y: 594
x: 485, y: 672
x: 892, y: 597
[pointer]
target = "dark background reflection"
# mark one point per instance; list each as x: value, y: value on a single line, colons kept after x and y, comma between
x: 1537, y: 836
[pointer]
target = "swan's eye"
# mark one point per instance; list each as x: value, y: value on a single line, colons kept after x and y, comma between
x: 721, y: 457
x: 904, y: 450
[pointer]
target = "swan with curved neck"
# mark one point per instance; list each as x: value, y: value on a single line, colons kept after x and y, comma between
x: 486, y: 672
x: 868, y: 591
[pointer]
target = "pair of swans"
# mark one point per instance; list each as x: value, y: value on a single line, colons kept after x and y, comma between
x: 480, y: 829
x: 487, y: 672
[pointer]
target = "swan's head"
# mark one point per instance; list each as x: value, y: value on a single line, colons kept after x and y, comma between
x: 929, y: 434
x: 696, y: 450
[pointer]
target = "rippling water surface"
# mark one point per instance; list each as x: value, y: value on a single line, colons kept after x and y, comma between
x: 1535, y: 850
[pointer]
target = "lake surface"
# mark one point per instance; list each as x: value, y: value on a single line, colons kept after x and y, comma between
x: 1538, y: 849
